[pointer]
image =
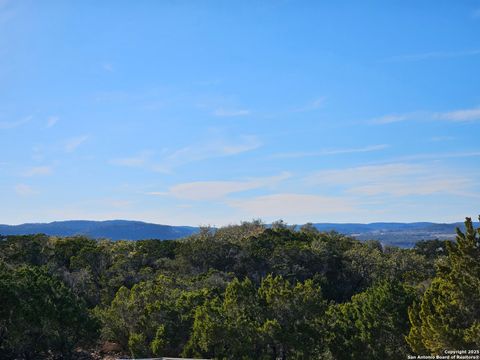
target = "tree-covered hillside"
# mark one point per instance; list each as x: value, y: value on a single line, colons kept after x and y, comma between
x: 238, y: 292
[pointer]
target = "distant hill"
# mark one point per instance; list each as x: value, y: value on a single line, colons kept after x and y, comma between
x: 400, y: 234
x: 112, y: 229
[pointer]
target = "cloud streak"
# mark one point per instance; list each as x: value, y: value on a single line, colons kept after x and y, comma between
x: 24, y: 190
x: 464, y: 115
x: 221, y: 112
x: 139, y: 160
x: 52, y: 120
x: 13, y: 124
x: 395, y: 179
x: 38, y: 171
x: 388, y: 119
x: 168, y: 161
x: 73, y: 143
x: 313, y: 105
x: 207, y: 150
x: 217, y: 190
x: 365, y: 149
x: 438, y: 156
x: 293, y: 206
x: 460, y: 115
x: 433, y: 55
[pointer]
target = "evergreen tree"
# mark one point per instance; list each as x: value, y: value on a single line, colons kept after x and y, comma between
x: 372, y: 325
x: 448, y: 316
x: 40, y: 315
x: 276, y: 321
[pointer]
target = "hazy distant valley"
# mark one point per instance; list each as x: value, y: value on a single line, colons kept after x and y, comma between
x: 400, y: 234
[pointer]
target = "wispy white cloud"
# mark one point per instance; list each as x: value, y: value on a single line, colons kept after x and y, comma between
x: 313, y: 105
x: 15, y: 123
x: 73, y: 143
x: 367, y: 174
x: 115, y: 203
x: 167, y: 161
x: 184, y: 206
x: 52, y: 120
x: 326, y: 152
x: 209, y: 190
x: 396, y: 179
x: 463, y: 115
x: 388, y: 119
x: 432, y: 55
x: 216, y: 190
x: 221, y: 112
x: 38, y: 171
x: 138, y: 160
x: 424, y: 185
x: 24, y: 190
x: 441, y: 138
x: 438, y: 156
x: 215, y: 148
x: 293, y: 206
x: 158, y: 193
x: 38, y: 153
x: 245, y: 143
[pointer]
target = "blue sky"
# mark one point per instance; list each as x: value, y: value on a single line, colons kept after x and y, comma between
x: 214, y: 112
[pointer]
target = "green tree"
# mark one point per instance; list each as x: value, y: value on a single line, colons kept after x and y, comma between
x: 372, y: 325
x: 152, y: 318
x: 448, y: 315
x: 207, y: 250
x: 39, y: 314
x: 431, y: 249
x: 292, y: 326
x: 277, y: 320
x: 24, y: 249
x: 227, y: 329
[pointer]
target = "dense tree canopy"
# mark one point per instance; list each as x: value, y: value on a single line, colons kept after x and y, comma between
x: 448, y: 314
x: 372, y: 325
x: 39, y: 314
x: 240, y: 292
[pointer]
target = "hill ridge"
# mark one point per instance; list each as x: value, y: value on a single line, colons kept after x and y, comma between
x: 395, y: 233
